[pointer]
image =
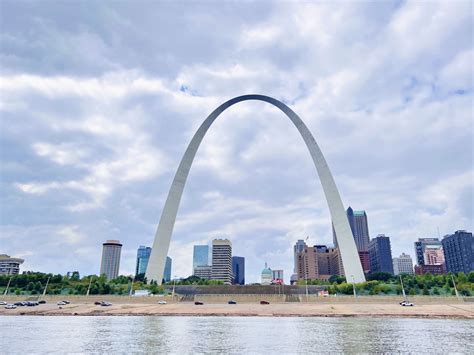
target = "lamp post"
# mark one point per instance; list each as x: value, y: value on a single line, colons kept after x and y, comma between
x: 45, y: 287
x: 305, y: 269
x: 403, y: 289
x: 353, y: 286
x: 89, y: 288
x: 174, y: 284
x: 8, y: 285
x: 455, y: 288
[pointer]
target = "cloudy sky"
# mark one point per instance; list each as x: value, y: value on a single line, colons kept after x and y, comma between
x: 100, y: 99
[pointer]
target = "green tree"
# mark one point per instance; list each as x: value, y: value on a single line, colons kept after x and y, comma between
x: 470, y: 277
x: 336, y: 279
x: 380, y: 276
x: 461, y: 278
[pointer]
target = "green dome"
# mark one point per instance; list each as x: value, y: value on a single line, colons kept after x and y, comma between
x: 267, y: 270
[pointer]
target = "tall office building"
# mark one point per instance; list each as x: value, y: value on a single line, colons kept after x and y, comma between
x: 360, y: 229
x: 365, y: 261
x: 222, y: 261
x: 403, y: 265
x: 143, y: 255
x: 110, y: 259
x: 200, y: 255
x: 297, y: 249
x: 421, y: 245
x: 238, y: 270
x: 459, y: 252
x: 319, y: 263
x: 9, y: 265
x: 380, y: 254
x: 203, y: 272
x: 167, y: 272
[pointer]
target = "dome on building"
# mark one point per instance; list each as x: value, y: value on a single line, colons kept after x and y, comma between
x: 267, y: 275
x: 266, y: 270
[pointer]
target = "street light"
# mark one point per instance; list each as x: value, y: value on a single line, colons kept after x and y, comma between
x: 174, y: 284
x: 305, y: 270
x: 455, y: 288
x: 353, y: 286
x: 8, y: 285
x: 90, y: 283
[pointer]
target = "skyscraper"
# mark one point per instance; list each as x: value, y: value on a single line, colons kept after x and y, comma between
x: 203, y: 272
x: 459, y: 252
x: 167, y: 272
x: 380, y: 254
x: 200, y: 256
x: 143, y: 254
x: 110, y: 259
x: 238, y: 270
x: 298, y: 248
x: 222, y: 261
x: 403, y: 265
x: 420, y: 247
x: 319, y: 263
x: 359, y: 227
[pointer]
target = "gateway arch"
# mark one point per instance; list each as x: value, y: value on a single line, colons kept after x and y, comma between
x: 346, y: 243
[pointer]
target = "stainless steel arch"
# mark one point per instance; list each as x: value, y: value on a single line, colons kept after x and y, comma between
x: 347, y: 247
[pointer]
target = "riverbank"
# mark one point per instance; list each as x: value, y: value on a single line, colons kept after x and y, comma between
x: 326, y: 309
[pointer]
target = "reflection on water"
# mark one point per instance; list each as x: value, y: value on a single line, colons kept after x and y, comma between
x: 151, y: 334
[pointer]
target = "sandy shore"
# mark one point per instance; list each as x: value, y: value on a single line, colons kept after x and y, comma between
x: 454, y: 310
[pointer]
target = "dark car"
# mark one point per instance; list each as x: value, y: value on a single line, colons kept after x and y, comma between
x: 197, y: 303
x: 42, y: 302
x: 20, y: 304
x: 97, y: 303
x: 264, y: 302
x: 232, y: 302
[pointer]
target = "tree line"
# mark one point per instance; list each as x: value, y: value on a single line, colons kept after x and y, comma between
x: 382, y: 283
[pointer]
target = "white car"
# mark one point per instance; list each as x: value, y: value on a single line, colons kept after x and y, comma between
x: 2, y: 303
x: 406, y: 304
x: 10, y: 306
x: 161, y: 302
x: 61, y: 303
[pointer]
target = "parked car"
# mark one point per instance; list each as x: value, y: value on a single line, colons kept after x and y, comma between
x: 97, y: 303
x: 161, y: 302
x: 197, y: 303
x: 105, y: 303
x: 20, y: 304
x: 264, y: 302
x: 61, y: 303
x: 10, y: 306
x: 66, y: 302
x: 2, y: 303
x: 31, y: 303
x: 232, y: 302
x: 41, y: 302
x: 406, y: 304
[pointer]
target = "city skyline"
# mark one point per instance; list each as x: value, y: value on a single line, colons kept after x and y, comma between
x: 86, y: 156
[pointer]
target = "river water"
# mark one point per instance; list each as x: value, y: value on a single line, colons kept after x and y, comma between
x: 154, y: 334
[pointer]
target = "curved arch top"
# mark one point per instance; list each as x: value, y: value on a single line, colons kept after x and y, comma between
x: 346, y: 243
